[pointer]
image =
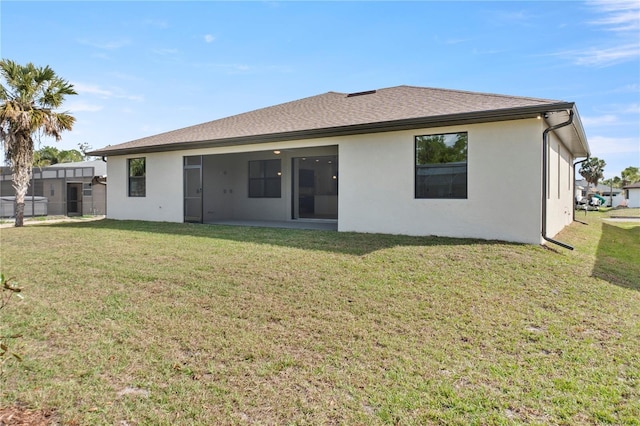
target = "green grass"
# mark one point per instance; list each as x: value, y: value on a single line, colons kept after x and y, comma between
x: 157, y: 323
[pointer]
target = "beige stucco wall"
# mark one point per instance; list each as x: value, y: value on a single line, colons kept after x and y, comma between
x: 96, y: 203
x: 164, y: 177
x: 634, y: 197
x: 504, y: 178
x: 376, y: 184
x: 560, y: 195
x: 225, y: 183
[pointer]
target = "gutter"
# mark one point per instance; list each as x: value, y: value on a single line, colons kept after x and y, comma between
x: 574, y: 186
x: 505, y: 114
x: 545, y: 142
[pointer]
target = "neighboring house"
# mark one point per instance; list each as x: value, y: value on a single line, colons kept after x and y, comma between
x: 70, y: 189
x: 632, y: 194
x: 400, y: 160
x: 614, y: 196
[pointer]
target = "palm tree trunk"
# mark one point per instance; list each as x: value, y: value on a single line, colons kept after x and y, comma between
x: 21, y: 159
x: 19, y: 214
x: 21, y: 178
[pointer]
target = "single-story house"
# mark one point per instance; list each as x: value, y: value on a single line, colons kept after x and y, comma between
x: 613, y: 196
x: 632, y: 194
x: 400, y: 160
x: 67, y: 189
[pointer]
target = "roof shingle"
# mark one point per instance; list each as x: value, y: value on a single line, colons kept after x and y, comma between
x: 334, y: 110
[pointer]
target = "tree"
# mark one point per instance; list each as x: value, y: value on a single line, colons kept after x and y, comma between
x: 614, y: 182
x: 592, y: 170
x: 51, y: 155
x: 442, y: 148
x: 84, y: 148
x: 630, y: 175
x: 29, y: 98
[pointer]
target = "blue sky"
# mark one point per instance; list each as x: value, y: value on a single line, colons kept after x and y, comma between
x: 142, y: 67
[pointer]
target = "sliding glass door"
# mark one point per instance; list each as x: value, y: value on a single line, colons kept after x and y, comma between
x: 315, y: 187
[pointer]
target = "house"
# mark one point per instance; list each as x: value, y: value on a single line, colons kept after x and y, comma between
x: 400, y: 160
x: 632, y: 194
x: 67, y: 189
x: 613, y: 196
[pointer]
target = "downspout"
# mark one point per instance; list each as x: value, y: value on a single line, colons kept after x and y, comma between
x: 545, y: 142
x: 574, y: 185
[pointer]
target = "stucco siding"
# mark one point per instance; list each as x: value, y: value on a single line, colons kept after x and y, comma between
x: 164, y: 193
x: 560, y: 196
x: 634, y: 197
x: 224, y: 183
x: 225, y: 186
x: 377, y: 185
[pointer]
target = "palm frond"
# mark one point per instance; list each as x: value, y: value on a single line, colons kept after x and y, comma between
x: 29, y: 98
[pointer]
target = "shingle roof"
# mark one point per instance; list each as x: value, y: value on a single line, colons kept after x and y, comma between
x: 341, y: 113
x: 599, y: 188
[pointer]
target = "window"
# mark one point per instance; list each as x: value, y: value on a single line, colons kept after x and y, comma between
x: 441, y: 166
x: 264, y: 179
x: 38, y: 188
x: 137, y: 179
x: 86, y: 189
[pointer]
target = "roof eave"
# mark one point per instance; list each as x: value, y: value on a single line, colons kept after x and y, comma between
x: 356, y: 129
x: 573, y: 135
x: 577, y: 124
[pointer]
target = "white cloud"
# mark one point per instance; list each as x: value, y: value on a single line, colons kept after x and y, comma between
x: 629, y: 88
x: 82, y: 106
x: 619, y: 15
x: 622, y: 109
x: 137, y: 98
x: 603, y: 120
x: 105, y: 45
x: 606, y: 56
x: 632, y: 109
x: 209, y: 38
x: 82, y: 88
x: 116, y: 93
x: 609, y: 145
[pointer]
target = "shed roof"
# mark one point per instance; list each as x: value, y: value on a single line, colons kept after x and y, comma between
x: 99, y: 166
x: 332, y: 113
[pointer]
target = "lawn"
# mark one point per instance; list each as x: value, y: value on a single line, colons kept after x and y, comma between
x: 126, y: 322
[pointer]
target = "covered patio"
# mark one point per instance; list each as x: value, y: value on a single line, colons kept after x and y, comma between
x: 291, y: 188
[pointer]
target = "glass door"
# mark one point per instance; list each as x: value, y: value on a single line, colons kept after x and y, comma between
x: 315, y: 187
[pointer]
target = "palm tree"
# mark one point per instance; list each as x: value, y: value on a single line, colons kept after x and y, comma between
x: 51, y: 155
x: 630, y: 175
x: 28, y: 101
x: 592, y: 170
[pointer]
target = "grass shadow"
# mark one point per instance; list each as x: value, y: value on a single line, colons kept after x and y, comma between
x: 330, y: 241
x: 618, y: 256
